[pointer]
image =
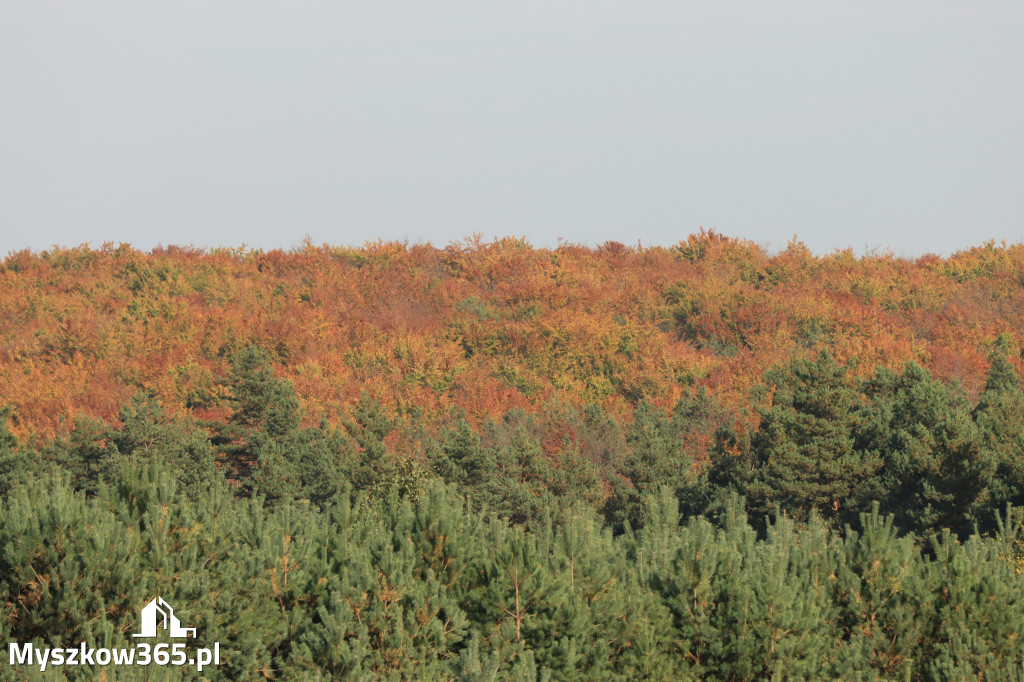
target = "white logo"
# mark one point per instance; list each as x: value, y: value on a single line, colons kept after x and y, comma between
x: 159, y: 613
x: 155, y: 615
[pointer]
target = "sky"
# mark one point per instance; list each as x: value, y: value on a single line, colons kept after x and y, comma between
x: 890, y: 124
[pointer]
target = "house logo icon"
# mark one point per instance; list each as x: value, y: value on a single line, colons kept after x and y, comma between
x: 157, y: 614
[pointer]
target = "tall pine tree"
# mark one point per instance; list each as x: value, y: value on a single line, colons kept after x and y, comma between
x: 804, y: 454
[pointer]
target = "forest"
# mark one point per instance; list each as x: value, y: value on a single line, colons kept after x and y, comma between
x: 491, y: 461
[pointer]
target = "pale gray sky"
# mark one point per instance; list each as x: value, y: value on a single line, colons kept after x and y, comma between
x: 218, y: 122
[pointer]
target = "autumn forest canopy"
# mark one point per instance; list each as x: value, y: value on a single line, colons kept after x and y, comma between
x: 494, y: 461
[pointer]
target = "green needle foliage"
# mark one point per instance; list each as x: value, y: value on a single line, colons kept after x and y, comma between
x: 871, y: 549
x: 387, y: 589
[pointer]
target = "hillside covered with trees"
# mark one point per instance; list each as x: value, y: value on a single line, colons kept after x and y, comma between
x: 492, y: 461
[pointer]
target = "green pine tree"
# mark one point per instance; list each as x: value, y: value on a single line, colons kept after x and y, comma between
x: 937, y: 470
x: 999, y: 415
x: 805, y: 455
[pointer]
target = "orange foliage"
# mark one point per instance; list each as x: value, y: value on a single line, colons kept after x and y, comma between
x: 480, y: 325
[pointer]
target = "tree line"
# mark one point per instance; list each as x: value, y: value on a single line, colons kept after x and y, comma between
x: 482, y: 326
